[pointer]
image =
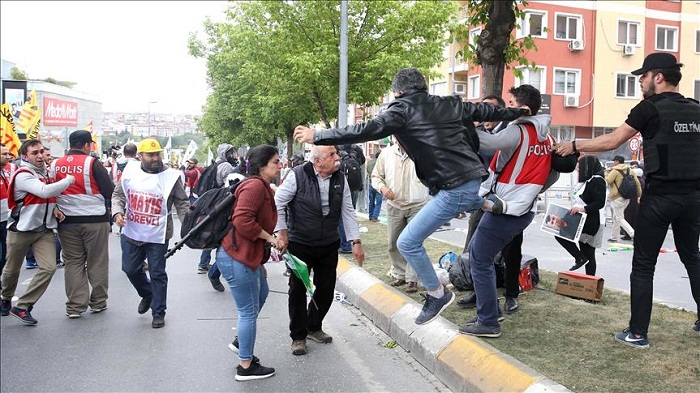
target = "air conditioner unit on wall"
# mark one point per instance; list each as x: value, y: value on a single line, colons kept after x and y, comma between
x: 571, y: 101
x: 576, y: 45
x: 628, y: 50
x: 460, y: 88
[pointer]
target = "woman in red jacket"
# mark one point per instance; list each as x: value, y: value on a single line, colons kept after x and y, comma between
x: 240, y: 256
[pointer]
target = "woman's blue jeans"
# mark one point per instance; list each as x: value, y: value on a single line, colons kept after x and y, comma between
x: 444, y: 206
x: 249, y: 289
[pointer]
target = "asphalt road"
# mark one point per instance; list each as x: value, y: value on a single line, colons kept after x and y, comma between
x: 117, y: 350
x: 671, y: 283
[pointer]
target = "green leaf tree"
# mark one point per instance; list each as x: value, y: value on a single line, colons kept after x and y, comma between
x: 274, y: 64
x: 496, y: 48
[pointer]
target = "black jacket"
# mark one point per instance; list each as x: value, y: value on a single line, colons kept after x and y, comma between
x: 433, y: 130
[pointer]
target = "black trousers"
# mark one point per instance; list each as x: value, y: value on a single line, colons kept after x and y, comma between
x: 583, y: 251
x: 656, y: 213
x: 307, y: 316
x: 511, y: 252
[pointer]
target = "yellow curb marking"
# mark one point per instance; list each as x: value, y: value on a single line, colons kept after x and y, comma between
x: 483, y: 366
x: 384, y: 300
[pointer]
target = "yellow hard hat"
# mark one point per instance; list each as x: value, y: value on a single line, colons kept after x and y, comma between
x: 149, y: 145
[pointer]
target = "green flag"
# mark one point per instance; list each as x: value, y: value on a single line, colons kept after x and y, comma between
x: 300, y: 269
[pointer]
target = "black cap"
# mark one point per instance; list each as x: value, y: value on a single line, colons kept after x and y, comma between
x: 656, y: 61
x: 193, y: 160
x: 79, y: 138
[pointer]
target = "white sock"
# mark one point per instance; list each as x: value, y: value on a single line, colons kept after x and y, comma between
x: 438, y: 293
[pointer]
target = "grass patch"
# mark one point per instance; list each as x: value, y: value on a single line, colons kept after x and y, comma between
x: 571, y: 341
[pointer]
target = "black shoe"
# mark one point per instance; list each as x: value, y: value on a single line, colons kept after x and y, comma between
x: 696, y: 327
x: 626, y: 237
x: 59, y: 264
x: 467, y: 301
x: 433, y: 307
x: 216, y: 283
x: 23, y: 315
x: 5, y: 307
x: 578, y: 264
x: 234, y: 347
x: 511, y: 305
x: 479, y: 330
x: 254, y: 371
x: 144, y: 305
x: 501, y: 318
x: 202, y: 270
x: 158, y: 321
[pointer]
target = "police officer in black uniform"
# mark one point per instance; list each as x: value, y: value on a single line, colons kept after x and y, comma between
x: 670, y: 126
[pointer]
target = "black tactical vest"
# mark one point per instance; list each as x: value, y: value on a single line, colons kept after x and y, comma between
x: 306, y: 222
x: 674, y: 152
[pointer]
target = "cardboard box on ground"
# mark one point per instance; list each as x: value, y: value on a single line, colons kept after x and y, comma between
x: 580, y: 286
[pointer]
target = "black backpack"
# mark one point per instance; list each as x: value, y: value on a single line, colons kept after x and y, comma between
x: 207, y: 180
x: 461, y: 276
x: 351, y: 168
x: 628, y: 187
x: 216, y: 207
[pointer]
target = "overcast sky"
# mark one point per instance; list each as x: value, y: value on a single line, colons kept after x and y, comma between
x: 126, y: 53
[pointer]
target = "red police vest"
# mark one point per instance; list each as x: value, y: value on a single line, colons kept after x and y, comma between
x: 82, y: 198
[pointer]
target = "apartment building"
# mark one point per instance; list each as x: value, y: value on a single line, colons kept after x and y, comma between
x: 586, y: 50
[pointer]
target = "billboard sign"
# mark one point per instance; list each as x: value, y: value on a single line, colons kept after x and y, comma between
x: 60, y: 112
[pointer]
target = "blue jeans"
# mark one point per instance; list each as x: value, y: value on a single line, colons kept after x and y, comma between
x: 375, y: 203
x: 249, y: 289
x: 443, y: 207
x: 204, y: 259
x: 493, y: 233
x: 132, y: 265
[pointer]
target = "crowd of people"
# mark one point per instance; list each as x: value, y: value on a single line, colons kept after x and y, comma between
x: 490, y: 159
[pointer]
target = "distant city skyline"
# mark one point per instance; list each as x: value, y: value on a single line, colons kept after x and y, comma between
x: 126, y: 54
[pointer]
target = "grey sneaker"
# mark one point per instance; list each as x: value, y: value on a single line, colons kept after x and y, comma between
x: 499, y: 205
x: 511, y: 305
x: 298, y: 347
x: 467, y: 301
x: 501, y: 318
x: 479, y: 330
x: 628, y: 338
x: 433, y: 307
x: 320, y: 337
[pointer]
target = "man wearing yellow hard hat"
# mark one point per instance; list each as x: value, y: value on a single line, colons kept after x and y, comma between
x: 142, y: 203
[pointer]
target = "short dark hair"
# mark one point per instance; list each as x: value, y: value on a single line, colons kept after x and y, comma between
x: 527, y: 95
x: 497, y: 98
x: 27, y: 144
x: 257, y: 158
x: 408, y: 80
x: 619, y: 159
x: 129, y: 149
x: 671, y: 75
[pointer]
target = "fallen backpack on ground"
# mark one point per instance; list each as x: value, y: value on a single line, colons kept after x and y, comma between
x: 529, y: 273
x: 209, y: 219
x: 351, y: 168
x: 460, y: 276
x: 628, y: 187
x: 207, y: 179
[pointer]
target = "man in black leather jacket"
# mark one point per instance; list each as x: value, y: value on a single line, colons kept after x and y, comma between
x: 438, y: 135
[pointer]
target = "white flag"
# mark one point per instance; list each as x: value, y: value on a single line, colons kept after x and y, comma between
x: 189, y: 153
x: 166, y: 150
x: 210, y: 157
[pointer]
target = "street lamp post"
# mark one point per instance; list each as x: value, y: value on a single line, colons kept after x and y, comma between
x: 149, y: 116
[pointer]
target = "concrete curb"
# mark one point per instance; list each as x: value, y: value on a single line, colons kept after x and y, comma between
x: 463, y: 363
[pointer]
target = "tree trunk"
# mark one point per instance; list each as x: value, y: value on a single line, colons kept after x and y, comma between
x: 493, y: 41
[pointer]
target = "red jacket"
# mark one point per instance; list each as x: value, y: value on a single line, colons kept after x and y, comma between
x: 254, y: 211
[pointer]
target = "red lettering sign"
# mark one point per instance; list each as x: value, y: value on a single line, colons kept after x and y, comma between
x: 60, y: 113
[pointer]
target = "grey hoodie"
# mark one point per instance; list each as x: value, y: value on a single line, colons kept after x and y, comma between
x: 225, y: 168
x: 519, y: 197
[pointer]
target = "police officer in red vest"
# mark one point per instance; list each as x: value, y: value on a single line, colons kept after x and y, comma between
x: 85, y: 231
x: 31, y: 200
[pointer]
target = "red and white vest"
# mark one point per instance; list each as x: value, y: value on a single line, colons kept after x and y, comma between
x: 34, y: 211
x: 146, y: 210
x: 522, y: 177
x: 83, y: 197
x: 7, y: 172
